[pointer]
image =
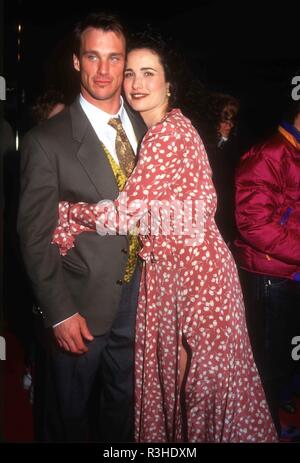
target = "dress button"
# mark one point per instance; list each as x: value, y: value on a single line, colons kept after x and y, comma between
x: 124, y: 250
x: 119, y: 282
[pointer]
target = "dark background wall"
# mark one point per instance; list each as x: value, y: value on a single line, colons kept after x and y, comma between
x: 1, y: 227
x: 248, y: 49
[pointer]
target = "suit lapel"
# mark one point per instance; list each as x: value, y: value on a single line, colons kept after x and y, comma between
x: 91, y: 155
x: 96, y: 164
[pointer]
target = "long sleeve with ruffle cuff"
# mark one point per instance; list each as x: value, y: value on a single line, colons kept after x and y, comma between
x: 74, y: 218
x: 103, y: 217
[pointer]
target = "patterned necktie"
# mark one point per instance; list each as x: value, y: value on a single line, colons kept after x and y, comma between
x: 124, y: 149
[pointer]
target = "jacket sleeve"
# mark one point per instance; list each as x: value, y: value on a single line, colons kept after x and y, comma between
x: 37, y: 219
x: 259, y: 198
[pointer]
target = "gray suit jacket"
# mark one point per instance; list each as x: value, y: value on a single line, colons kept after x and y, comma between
x: 62, y: 159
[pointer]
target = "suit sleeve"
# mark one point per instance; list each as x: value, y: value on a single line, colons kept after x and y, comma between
x: 258, y: 212
x: 37, y: 219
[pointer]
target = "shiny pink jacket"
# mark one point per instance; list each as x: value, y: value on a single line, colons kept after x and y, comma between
x: 268, y: 209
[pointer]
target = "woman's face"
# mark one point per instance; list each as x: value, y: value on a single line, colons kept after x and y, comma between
x: 145, y: 85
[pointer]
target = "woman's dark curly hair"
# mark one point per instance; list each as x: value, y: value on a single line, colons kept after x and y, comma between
x: 186, y: 92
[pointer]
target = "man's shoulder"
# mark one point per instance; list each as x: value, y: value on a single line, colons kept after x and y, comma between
x: 51, y: 128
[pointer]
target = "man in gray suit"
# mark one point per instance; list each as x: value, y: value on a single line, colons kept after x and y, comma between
x: 83, y: 297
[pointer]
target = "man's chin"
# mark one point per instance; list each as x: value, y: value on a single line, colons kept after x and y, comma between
x: 101, y: 96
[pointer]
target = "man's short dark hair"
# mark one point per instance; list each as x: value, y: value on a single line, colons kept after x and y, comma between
x: 104, y: 21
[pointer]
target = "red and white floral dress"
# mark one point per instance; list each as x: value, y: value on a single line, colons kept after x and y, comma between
x: 189, y: 290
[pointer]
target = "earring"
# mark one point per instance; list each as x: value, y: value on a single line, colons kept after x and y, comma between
x: 168, y: 93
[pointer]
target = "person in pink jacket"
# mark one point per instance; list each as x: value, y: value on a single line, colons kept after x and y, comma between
x: 268, y: 253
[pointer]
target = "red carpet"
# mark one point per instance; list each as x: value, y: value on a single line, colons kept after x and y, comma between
x: 18, y: 419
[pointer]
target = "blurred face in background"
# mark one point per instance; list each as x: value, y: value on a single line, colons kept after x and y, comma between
x: 227, y: 123
x: 225, y: 128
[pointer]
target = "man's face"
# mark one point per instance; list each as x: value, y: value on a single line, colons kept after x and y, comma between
x: 101, y: 65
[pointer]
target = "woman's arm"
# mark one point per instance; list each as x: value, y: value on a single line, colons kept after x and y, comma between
x: 159, y: 166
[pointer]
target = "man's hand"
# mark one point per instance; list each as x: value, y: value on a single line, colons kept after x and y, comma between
x: 70, y: 334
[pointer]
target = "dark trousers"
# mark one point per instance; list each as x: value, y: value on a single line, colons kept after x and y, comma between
x: 273, y: 319
x: 90, y: 397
